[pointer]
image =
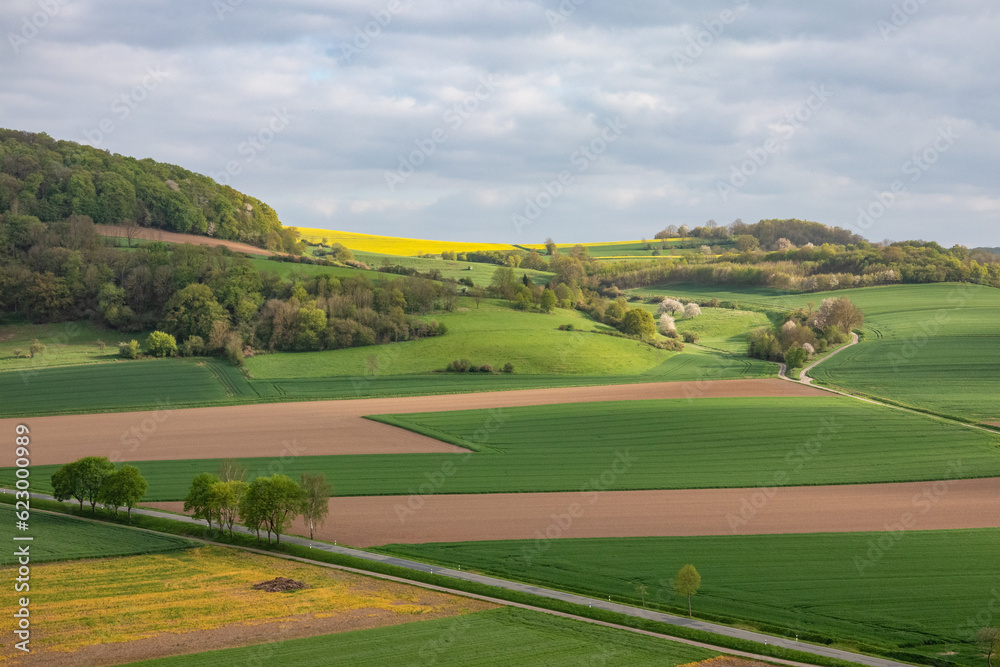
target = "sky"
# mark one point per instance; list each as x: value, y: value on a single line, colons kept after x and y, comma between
x: 516, y: 121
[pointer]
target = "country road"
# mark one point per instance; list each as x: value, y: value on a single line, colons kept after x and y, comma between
x: 549, y: 593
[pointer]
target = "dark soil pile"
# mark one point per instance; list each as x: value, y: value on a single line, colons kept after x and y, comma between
x: 279, y: 584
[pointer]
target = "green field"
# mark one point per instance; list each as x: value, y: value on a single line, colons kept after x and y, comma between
x: 116, y: 386
x: 934, y: 347
x: 479, y: 272
x: 60, y: 537
x: 504, y: 636
x: 704, y: 443
x: 721, y: 328
x: 919, y: 595
x: 490, y: 334
x: 287, y: 269
x: 65, y: 343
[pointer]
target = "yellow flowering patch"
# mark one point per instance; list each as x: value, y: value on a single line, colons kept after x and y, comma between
x: 393, y: 245
x: 539, y: 246
x: 83, y: 603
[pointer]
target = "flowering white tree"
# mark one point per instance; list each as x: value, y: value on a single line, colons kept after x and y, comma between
x: 667, y: 324
x: 669, y: 305
x: 692, y: 310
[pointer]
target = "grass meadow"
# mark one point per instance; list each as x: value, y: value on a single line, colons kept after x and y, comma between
x: 500, y: 637
x: 920, y: 595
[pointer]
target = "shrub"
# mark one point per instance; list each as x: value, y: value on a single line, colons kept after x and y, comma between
x: 485, y: 368
x: 808, y: 348
x: 508, y: 367
x: 161, y: 344
x: 459, y: 366
x: 37, y: 347
x: 193, y: 346
x: 667, y: 324
x: 692, y: 310
x: 690, y: 337
x: 233, y: 349
x: 129, y: 350
x: 711, y: 303
x: 795, y: 356
x: 566, y: 327
x: 17, y: 352
x: 101, y: 345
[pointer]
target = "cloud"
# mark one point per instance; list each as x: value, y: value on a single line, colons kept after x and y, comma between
x: 371, y: 87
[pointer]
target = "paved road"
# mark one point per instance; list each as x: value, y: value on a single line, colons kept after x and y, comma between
x: 608, y: 605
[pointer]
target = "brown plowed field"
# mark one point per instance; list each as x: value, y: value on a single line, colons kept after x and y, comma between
x: 375, y: 520
x: 322, y: 428
x: 150, y: 234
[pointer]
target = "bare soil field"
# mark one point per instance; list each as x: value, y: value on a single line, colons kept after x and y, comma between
x: 150, y: 234
x: 324, y: 428
x: 377, y: 520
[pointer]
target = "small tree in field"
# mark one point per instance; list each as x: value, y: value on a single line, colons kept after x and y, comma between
x: 692, y: 310
x: 198, y: 500
x: 667, y: 324
x: 124, y: 488
x: 989, y: 640
x: 315, y: 499
x: 37, y: 347
x: 687, y: 582
x: 672, y: 306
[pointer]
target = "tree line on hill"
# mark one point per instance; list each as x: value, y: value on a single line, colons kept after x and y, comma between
x: 210, y: 300
x: 47, y: 180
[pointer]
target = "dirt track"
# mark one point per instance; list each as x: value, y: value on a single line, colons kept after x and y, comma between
x: 376, y: 520
x: 150, y: 234
x: 321, y: 428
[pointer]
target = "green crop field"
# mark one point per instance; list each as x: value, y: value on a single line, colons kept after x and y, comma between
x: 934, y: 347
x: 123, y: 385
x: 922, y: 593
x: 704, y: 443
x: 721, y: 328
x: 504, y: 636
x: 60, y: 537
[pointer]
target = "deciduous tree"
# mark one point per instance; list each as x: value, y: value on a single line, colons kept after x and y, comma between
x: 315, y: 499
x: 687, y: 582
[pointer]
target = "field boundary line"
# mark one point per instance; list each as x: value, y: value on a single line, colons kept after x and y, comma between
x: 783, y: 369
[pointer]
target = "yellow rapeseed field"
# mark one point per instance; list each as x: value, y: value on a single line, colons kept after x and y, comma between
x: 539, y: 246
x: 393, y: 245
x: 82, y: 603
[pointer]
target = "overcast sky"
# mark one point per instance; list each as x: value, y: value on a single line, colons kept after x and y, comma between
x: 514, y: 121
